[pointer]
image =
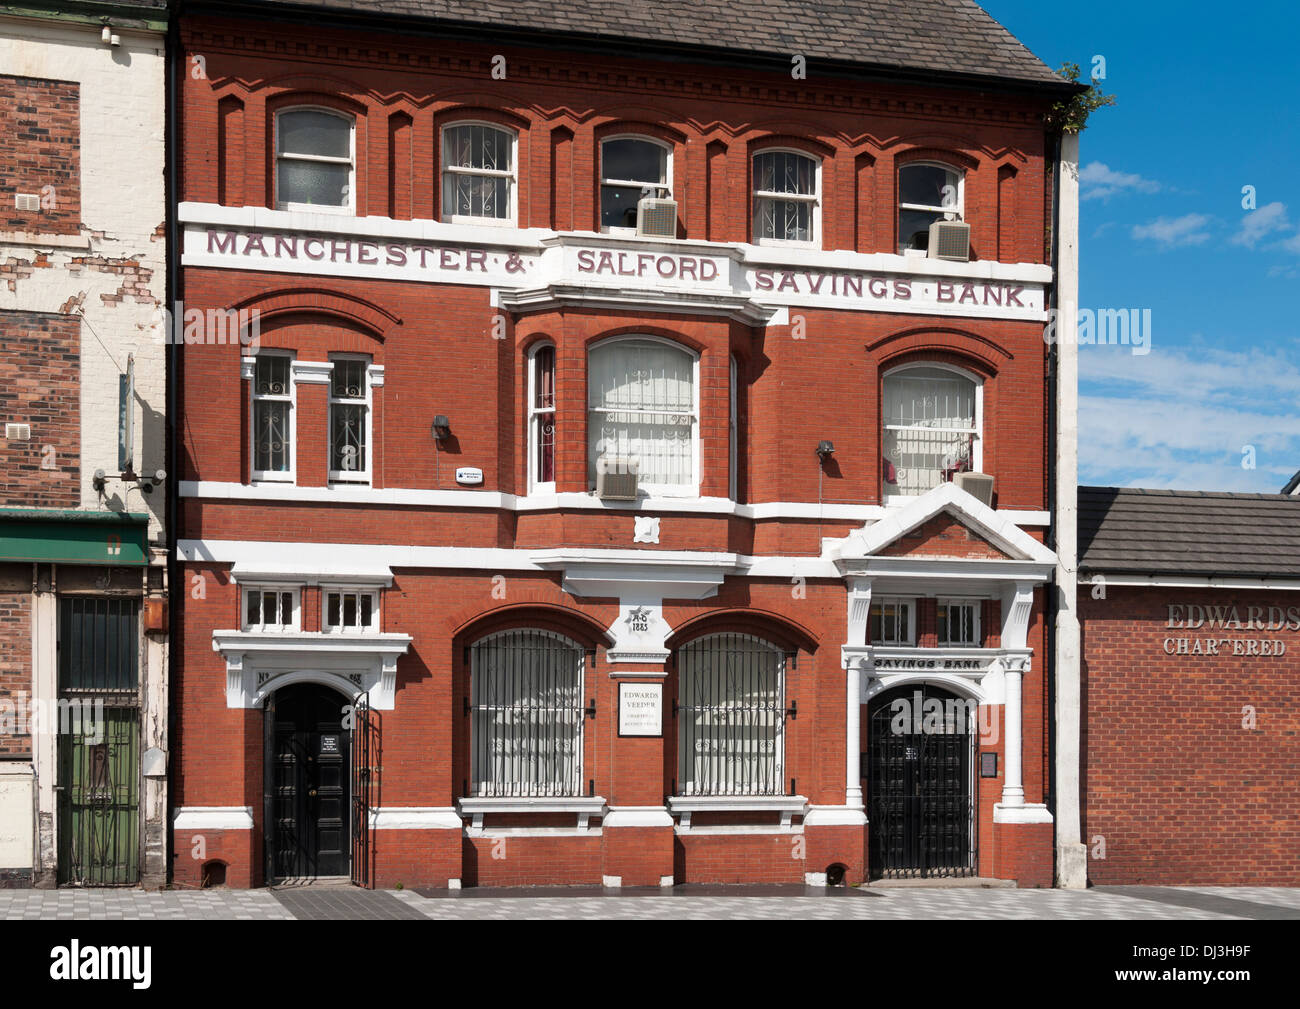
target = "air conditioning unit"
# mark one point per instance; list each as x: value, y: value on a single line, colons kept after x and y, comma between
x: 977, y: 485
x: 656, y: 218
x: 950, y: 240
x: 616, y: 480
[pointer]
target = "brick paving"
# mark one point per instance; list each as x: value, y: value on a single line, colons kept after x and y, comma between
x: 748, y: 903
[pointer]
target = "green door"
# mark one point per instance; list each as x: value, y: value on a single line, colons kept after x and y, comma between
x: 99, y: 841
x: 99, y: 741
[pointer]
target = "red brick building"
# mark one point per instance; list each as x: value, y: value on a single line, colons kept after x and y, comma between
x: 610, y: 482
x: 1191, y: 632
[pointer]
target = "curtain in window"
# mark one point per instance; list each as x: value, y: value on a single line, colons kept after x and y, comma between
x: 731, y: 716
x: 929, y: 428
x: 527, y: 715
x: 641, y: 411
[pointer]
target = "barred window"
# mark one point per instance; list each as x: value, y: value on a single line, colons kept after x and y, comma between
x: 893, y: 622
x: 958, y: 623
x: 730, y: 716
x: 350, y: 611
x: 932, y: 429
x: 272, y: 418
x: 270, y: 609
x: 478, y: 176
x: 349, y: 420
x: 786, y: 198
x: 526, y: 690
x: 541, y: 419
x: 642, y: 414
x: 313, y: 160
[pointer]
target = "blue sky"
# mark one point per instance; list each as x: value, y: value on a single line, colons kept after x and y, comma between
x: 1209, y: 102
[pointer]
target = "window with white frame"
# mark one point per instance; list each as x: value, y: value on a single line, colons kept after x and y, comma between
x: 931, y: 428
x: 643, y: 414
x: 958, y: 623
x: 349, y: 611
x: 272, y: 417
x: 270, y: 609
x: 349, y: 420
x: 730, y: 716
x: 733, y: 436
x: 893, y: 622
x: 927, y: 192
x: 787, y: 198
x: 541, y: 419
x: 526, y: 714
x: 631, y: 168
x: 478, y: 174
x: 314, y: 151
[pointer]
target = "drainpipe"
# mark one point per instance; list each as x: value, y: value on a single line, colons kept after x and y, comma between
x: 174, y: 587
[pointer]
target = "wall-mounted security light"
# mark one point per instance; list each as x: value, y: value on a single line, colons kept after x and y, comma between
x: 108, y: 38
x: 825, y: 449
x: 441, y: 427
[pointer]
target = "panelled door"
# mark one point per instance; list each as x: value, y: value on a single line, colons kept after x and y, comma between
x: 921, y: 784
x: 308, y: 830
x: 98, y: 780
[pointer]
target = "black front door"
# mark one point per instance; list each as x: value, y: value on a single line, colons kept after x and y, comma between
x: 308, y: 790
x: 920, y: 785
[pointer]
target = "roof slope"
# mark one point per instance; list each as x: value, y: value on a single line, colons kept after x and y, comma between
x: 943, y: 36
x: 1189, y: 532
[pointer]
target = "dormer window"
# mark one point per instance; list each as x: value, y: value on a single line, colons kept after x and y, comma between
x: 314, y: 160
x: 927, y: 192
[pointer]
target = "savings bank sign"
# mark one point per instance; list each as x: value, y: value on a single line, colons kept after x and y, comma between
x: 698, y: 274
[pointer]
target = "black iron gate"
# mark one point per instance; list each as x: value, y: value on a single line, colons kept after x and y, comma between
x: 365, y: 762
x: 921, y: 786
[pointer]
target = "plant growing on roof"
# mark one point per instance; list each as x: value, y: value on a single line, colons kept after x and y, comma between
x: 1071, y: 115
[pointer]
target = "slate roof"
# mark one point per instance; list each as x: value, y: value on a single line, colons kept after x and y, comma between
x: 953, y: 37
x: 1292, y: 484
x: 1189, y: 533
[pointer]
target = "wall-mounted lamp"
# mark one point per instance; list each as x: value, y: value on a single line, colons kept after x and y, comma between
x: 825, y: 448
x: 441, y: 427
x: 108, y: 38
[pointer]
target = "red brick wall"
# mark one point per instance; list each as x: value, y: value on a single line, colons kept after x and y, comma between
x: 40, y: 146
x: 1177, y: 787
x: 942, y: 536
x: 16, y: 668
x: 40, y: 384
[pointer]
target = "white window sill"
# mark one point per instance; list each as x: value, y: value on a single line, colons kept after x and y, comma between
x: 787, y: 805
x: 583, y: 806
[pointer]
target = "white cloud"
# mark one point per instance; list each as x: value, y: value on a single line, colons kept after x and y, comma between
x: 1101, y: 182
x: 1178, y: 419
x: 1262, y: 222
x: 1292, y: 244
x: 1175, y: 231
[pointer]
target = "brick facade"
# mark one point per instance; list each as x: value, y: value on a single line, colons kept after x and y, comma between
x: 449, y: 349
x: 1190, y: 757
x: 40, y: 154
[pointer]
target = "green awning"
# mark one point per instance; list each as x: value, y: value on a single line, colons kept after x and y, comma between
x: 74, y: 537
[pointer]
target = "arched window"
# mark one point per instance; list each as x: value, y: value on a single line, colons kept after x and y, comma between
x: 643, y: 414
x: 927, y: 192
x: 526, y: 714
x: 541, y: 419
x: 787, y: 198
x: 478, y: 174
x: 730, y: 716
x: 314, y: 160
x: 631, y: 168
x: 932, y: 419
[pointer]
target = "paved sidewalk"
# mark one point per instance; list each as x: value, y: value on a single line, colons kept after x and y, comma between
x: 750, y: 903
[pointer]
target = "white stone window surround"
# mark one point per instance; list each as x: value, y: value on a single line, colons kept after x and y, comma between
x: 365, y: 400
x: 537, y: 417
x: 248, y: 372
x: 349, y: 206
x: 583, y: 807
x: 786, y: 806
x: 449, y: 170
x: 814, y: 200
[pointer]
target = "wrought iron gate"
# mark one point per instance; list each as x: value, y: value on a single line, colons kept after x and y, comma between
x: 98, y: 728
x: 365, y: 762
x: 922, y: 789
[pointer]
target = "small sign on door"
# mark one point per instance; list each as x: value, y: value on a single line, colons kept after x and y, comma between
x: 329, y: 744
